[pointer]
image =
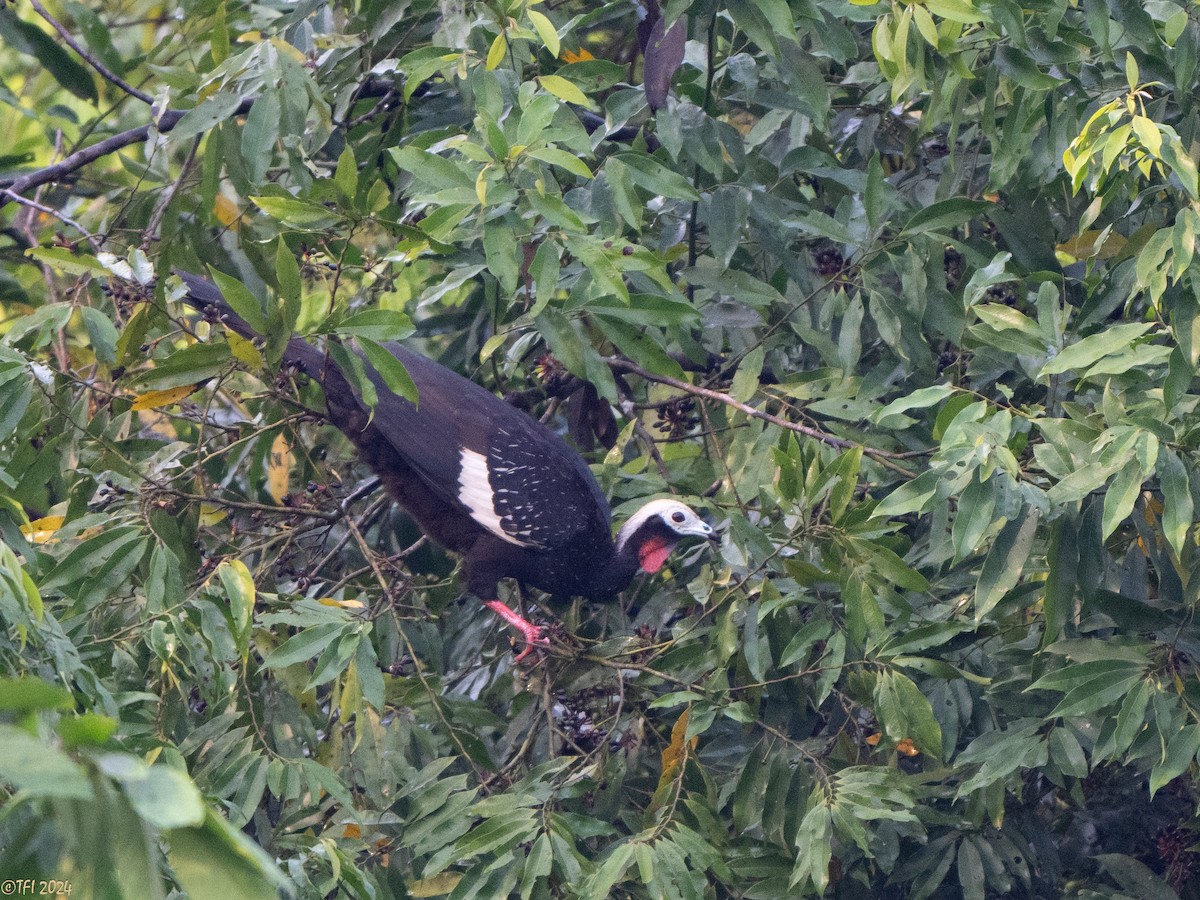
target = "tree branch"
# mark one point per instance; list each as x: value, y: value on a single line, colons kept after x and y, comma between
x: 375, y: 87
x: 42, y: 208
x: 883, y: 457
x: 104, y: 71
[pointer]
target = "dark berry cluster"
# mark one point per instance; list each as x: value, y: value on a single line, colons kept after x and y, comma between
x: 676, y: 418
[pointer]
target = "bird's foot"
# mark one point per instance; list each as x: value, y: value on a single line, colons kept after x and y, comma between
x: 534, y: 635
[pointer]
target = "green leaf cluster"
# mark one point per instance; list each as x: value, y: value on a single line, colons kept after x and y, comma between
x: 902, y: 296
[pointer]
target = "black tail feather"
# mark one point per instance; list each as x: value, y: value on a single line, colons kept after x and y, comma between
x: 205, y: 296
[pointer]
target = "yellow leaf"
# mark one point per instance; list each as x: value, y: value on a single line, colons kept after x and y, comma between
x: 564, y: 90
x: 481, y: 186
x: 279, y: 467
x: 244, y: 351
x: 251, y: 37
x: 41, y: 531
x: 288, y: 50
x: 676, y: 752
x: 45, y: 523
x: 227, y: 212
x: 435, y: 886
x: 581, y: 56
x: 210, y: 515
x: 545, y: 30
x: 343, y: 604
x: 496, y: 51
x: 159, y: 399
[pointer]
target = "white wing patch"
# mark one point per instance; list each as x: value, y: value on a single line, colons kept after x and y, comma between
x: 475, y: 493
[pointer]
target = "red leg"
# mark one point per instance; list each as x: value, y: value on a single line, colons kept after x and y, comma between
x: 532, y: 633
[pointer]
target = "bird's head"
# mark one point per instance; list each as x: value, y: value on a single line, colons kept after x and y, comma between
x: 654, y: 530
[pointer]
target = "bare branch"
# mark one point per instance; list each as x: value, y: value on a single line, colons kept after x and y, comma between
x: 881, y: 456
x: 160, y: 210
x: 42, y: 208
x: 104, y: 71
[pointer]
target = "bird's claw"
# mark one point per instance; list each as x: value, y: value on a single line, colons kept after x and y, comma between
x: 534, y: 635
x: 535, y: 639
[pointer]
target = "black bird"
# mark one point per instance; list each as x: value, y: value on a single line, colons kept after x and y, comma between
x: 484, y: 479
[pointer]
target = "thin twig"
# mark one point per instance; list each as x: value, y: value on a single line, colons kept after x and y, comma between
x: 160, y: 210
x: 251, y: 507
x: 104, y: 71
x: 883, y: 457
x: 50, y: 211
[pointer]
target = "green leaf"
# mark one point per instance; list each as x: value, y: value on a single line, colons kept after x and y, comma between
x: 904, y: 712
x: 502, y: 251
x: 306, y: 645
x: 1095, y: 347
x: 206, y: 116
x: 68, y: 261
x: 390, y: 369
x: 239, y: 588
x: 647, y: 172
x: 32, y: 766
x: 911, y: 497
x: 303, y: 215
x: 377, y: 325
x: 1072, y: 676
x: 1180, y: 753
x: 1066, y: 753
x: 600, y: 885
x: 1097, y: 693
x: 814, y: 843
x: 345, y: 176
x: 1005, y: 562
x: 215, y: 861
x: 728, y: 213
x: 538, y: 865
x: 431, y: 170
x: 1178, y: 511
x: 191, y: 365
x: 27, y: 38
x: 496, y: 51
x: 1122, y: 493
x: 1135, y: 877
x: 562, y: 159
x: 745, y: 379
x: 164, y: 797
x: 26, y: 694
x: 90, y: 557
x: 244, y: 303
x: 259, y: 135
x: 1020, y: 67
x: 86, y: 730
x: 287, y: 274
x: 970, y: 871
x: 102, y: 333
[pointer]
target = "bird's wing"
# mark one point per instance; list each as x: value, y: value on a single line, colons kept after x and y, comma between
x: 513, y: 475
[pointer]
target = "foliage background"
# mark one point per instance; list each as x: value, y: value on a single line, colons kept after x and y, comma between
x: 902, y: 294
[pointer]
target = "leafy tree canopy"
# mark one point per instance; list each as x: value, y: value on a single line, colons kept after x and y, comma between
x: 901, y: 294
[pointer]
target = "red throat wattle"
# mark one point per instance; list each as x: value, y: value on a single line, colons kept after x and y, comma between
x: 653, y: 553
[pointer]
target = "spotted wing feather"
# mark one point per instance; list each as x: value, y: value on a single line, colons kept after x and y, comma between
x: 516, y: 477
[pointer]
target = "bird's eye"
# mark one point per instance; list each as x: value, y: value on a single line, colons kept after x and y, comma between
x: 678, y: 517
